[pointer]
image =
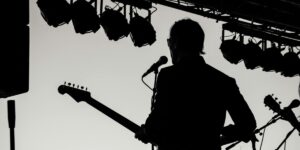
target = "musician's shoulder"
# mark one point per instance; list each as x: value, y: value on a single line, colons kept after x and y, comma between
x: 218, y: 73
x: 167, y: 69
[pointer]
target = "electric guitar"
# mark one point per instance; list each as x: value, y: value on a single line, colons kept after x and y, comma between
x: 79, y: 94
x: 271, y: 102
x: 285, y: 113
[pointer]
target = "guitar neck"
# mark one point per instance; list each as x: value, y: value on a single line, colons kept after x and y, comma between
x: 113, y: 115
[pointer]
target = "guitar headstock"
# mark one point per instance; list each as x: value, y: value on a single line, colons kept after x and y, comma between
x: 272, y: 103
x: 76, y: 92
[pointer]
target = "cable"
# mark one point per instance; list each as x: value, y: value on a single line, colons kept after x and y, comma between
x: 262, y: 139
x: 146, y: 84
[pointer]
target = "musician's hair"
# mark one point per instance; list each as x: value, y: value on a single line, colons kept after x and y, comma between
x: 189, y: 35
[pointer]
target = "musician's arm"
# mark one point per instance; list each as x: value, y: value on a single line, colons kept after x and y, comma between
x: 242, y: 116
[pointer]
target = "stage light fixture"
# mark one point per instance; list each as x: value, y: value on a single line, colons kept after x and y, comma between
x: 114, y: 23
x: 272, y: 59
x: 141, y: 31
x: 84, y: 17
x: 55, y: 12
x: 252, y: 55
x: 290, y: 64
x: 232, y: 50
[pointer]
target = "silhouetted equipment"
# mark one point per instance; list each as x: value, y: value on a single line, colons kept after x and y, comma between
x: 290, y: 64
x: 141, y: 31
x: 14, y: 13
x: 55, y: 12
x: 272, y: 21
x: 232, y: 50
x: 14, y: 60
x: 280, y: 14
x: 114, y: 24
x: 252, y: 55
x: 272, y: 59
x: 80, y: 95
x: 162, y: 60
x: 286, y: 113
x: 11, y: 111
x: 84, y: 17
x: 143, y: 4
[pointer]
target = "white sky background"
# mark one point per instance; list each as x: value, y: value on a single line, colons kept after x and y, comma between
x: 112, y: 71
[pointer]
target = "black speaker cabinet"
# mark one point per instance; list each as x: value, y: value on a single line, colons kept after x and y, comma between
x: 14, y: 12
x: 14, y: 61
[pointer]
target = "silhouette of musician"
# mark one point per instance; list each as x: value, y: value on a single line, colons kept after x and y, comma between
x: 192, y: 99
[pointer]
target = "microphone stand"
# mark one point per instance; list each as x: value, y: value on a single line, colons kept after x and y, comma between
x: 273, y: 120
x: 284, y: 140
x: 154, y: 89
x: 11, y: 122
x: 153, y: 95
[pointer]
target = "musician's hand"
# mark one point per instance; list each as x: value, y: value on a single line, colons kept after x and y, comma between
x: 142, y: 135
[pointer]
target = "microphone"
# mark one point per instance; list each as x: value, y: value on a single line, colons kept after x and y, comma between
x: 162, y: 60
x: 11, y: 114
x: 288, y: 114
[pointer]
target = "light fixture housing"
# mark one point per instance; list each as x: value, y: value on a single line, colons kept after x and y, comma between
x: 272, y: 59
x: 114, y: 24
x: 141, y: 31
x: 290, y: 64
x: 252, y: 55
x: 232, y: 50
x: 55, y: 12
x: 84, y: 17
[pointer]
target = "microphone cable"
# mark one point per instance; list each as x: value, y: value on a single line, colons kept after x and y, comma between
x: 146, y: 84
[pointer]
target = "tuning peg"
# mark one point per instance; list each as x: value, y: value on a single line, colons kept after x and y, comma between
x: 65, y: 83
x: 82, y: 87
x: 260, y: 133
x: 279, y: 102
x: 86, y: 88
x: 69, y: 84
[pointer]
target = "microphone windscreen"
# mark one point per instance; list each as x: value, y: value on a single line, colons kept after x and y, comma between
x: 295, y: 103
x: 163, y: 59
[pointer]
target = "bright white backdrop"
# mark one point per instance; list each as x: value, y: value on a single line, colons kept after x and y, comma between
x: 112, y: 71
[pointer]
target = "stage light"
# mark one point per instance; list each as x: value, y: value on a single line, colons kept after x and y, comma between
x: 252, y: 55
x: 84, y: 17
x: 272, y: 59
x: 141, y: 31
x: 232, y: 50
x: 114, y: 24
x: 290, y: 64
x: 55, y: 12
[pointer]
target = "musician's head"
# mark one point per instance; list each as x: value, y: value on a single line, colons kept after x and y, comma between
x: 186, y: 39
